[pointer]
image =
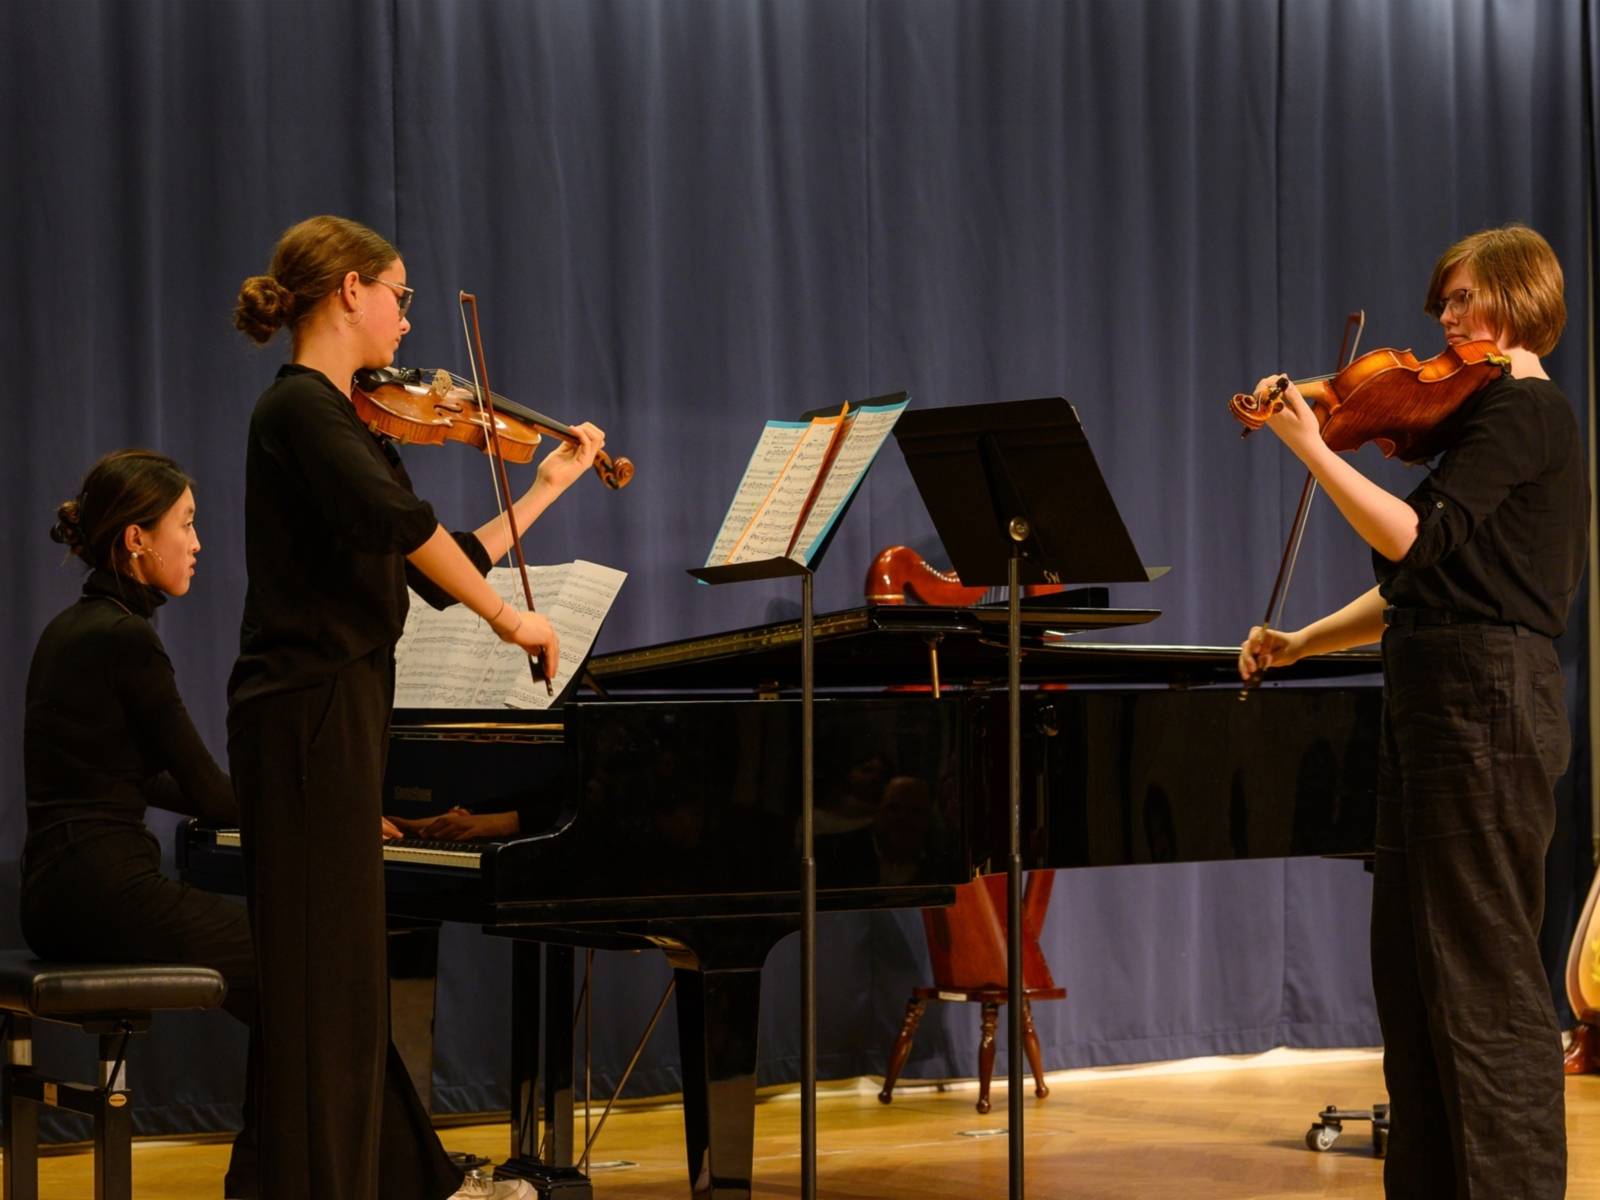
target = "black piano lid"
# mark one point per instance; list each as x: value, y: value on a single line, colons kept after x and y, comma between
x: 888, y: 645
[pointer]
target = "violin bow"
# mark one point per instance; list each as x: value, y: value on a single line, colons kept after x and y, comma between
x: 480, y: 380
x: 1354, y: 324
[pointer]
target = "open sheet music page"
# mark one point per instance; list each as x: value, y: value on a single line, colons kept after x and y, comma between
x: 776, y: 481
x: 869, y: 428
x: 452, y: 659
x: 782, y: 475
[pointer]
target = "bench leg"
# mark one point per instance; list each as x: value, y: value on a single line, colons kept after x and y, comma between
x: 21, y: 1140
x: 113, y: 1150
x: 113, y: 1123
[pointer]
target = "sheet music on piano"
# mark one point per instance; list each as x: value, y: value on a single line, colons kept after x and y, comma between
x: 452, y: 659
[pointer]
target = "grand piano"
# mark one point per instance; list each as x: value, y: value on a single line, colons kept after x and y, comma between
x: 660, y: 809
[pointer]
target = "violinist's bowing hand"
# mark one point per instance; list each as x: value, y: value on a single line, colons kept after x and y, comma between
x: 537, y: 636
x: 1266, y: 648
x: 1294, y: 421
x: 571, y: 459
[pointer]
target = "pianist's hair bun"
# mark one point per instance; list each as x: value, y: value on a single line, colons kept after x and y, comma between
x: 68, y: 529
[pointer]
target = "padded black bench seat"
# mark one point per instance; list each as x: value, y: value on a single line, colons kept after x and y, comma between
x: 113, y: 1000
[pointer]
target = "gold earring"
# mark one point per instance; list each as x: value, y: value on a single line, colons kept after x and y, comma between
x: 357, y: 316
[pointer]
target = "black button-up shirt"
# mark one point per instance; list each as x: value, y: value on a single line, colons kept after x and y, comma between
x: 1503, y: 518
x: 329, y: 517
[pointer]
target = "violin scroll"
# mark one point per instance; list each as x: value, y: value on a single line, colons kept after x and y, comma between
x: 1254, y: 411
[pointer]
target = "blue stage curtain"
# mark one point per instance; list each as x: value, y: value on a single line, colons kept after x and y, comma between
x: 683, y: 219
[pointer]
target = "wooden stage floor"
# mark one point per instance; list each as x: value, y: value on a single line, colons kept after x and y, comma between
x: 1230, y: 1129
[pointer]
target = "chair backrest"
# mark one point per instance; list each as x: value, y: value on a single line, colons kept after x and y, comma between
x: 967, y: 941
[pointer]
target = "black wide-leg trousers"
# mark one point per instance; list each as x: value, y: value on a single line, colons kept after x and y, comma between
x: 94, y: 892
x: 1474, y: 738
x: 340, y: 1119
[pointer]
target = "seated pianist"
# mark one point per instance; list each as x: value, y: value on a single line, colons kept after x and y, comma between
x: 106, y: 734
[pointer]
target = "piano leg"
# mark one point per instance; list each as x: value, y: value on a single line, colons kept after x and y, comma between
x: 718, y: 1012
x: 548, y: 1166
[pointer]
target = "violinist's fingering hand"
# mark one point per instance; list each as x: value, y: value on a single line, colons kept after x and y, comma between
x: 1294, y: 422
x: 569, y: 460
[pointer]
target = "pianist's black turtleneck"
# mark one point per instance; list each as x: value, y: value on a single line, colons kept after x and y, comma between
x: 105, y: 732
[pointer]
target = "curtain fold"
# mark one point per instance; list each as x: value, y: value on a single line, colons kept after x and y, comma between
x: 685, y: 219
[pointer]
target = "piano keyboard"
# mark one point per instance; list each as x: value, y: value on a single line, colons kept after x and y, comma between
x: 463, y: 856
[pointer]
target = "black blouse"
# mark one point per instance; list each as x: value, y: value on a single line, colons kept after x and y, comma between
x: 105, y: 732
x: 330, y: 515
x: 1503, y: 518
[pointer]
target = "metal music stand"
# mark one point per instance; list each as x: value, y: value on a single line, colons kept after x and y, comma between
x: 779, y: 568
x: 1016, y: 497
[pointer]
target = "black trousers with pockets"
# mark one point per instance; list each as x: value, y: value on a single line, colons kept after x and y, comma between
x: 1474, y: 738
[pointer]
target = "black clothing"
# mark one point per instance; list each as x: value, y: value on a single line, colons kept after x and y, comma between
x: 98, y: 895
x: 105, y: 734
x: 338, y: 1106
x: 329, y: 517
x: 1475, y: 737
x: 1496, y: 534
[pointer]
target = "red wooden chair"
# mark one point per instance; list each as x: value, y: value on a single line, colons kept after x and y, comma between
x: 967, y: 945
x: 967, y: 942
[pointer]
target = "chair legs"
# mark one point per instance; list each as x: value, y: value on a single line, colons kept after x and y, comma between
x: 918, y: 1004
x: 1030, y: 1041
x: 902, y: 1047
x: 991, y: 1018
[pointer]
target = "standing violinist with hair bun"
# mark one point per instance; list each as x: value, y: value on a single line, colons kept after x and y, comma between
x: 1476, y: 570
x: 105, y: 733
x: 333, y: 535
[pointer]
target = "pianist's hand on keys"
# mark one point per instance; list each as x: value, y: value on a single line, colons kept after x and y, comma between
x: 458, y: 825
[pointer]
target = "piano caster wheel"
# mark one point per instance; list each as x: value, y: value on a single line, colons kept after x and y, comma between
x: 885, y: 1097
x: 1041, y: 1091
x: 983, y: 1106
x: 1322, y: 1137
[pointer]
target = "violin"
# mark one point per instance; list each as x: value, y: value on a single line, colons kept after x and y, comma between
x: 430, y: 408
x: 1386, y: 397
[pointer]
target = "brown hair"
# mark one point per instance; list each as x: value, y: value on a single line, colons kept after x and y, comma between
x: 1517, y: 284
x: 126, y: 487
x: 308, y: 263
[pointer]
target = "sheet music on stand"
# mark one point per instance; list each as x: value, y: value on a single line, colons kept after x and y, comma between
x: 797, y: 485
x: 450, y: 658
x: 794, y: 492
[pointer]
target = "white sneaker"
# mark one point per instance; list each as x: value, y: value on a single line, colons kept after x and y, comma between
x: 478, y: 1187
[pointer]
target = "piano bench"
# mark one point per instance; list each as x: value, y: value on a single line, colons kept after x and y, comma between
x: 113, y: 1001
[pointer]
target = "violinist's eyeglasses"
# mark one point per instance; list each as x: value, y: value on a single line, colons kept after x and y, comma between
x: 402, y: 293
x: 1455, y: 303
